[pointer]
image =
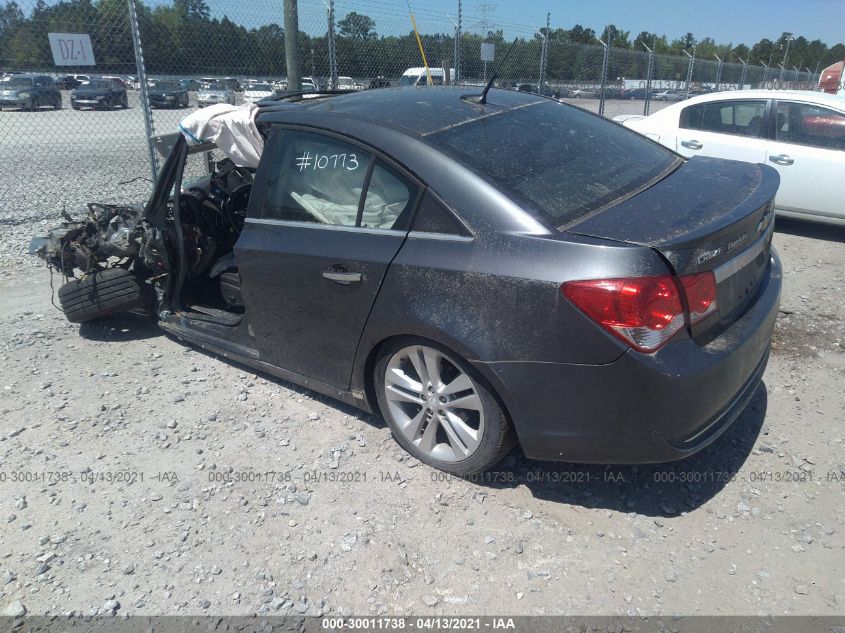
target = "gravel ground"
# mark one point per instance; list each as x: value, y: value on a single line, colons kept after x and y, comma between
x: 140, y: 476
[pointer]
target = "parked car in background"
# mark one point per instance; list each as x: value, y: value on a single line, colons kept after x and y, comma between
x: 118, y: 80
x: 347, y: 83
x: 670, y: 95
x: 800, y: 134
x: 69, y: 82
x: 190, y: 84
x: 635, y: 94
x: 585, y: 93
x: 217, y: 92
x: 258, y: 91
x: 565, y: 92
x: 379, y: 82
x: 99, y: 94
x: 167, y: 93
x: 596, y: 297
x: 29, y: 92
x: 233, y: 83
x: 612, y: 92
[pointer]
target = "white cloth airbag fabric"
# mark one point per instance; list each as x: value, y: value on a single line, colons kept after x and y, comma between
x: 231, y: 128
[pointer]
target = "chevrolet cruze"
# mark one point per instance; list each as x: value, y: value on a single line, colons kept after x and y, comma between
x: 480, y: 270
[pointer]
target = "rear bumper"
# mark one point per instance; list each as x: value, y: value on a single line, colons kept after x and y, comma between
x: 642, y: 408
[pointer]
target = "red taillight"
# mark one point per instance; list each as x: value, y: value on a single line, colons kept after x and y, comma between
x: 645, y: 312
x: 700, y: 290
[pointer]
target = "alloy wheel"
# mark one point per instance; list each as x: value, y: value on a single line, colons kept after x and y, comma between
x: 434, y: 403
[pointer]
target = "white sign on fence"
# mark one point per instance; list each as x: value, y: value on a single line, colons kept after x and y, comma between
x: 71, y: 49
x: 488, y: 51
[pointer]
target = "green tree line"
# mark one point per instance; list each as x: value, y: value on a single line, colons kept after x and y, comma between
x: 182, y: 38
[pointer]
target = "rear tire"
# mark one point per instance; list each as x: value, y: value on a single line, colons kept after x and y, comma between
x: 100, y: 295
x: 479, y: 433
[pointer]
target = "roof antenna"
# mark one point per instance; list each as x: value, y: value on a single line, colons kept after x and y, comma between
x: 482, y: 98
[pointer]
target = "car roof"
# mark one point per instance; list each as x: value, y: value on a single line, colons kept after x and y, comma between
x: 415, y: 110
x: 797, y: 95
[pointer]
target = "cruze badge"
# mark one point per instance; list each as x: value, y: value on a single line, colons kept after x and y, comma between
x: 709, y: 255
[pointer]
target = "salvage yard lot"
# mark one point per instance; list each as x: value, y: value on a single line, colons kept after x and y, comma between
x: 139, y: 472
x: 141, y: 476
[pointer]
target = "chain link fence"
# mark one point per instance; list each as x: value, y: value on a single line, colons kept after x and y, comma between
x: 63, y: 153
x: 167, y: 56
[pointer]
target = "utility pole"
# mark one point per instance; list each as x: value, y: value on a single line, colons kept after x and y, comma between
x: 544, y: 52
x: 142, y: 87
x: 458, y: 44
x: 332, y: 46
x: 484, y: 25
x: 648, y: 73
x: 291, y: 46
x: 689, y: 70
x: 718, y: 72
x: 786, y: 53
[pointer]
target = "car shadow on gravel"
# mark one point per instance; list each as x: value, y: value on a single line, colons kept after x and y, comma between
x: 812, y: 230
x: 119, y: 328
x: 346, y: 409
x: 657, y: 490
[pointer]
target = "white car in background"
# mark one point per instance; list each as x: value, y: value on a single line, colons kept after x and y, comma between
x: 347, y: 83
x: 258, y: 91
x: 214, y: 93
x: 801, y: 134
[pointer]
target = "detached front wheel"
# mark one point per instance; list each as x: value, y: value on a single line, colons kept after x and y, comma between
x: 439, y: 409
x: 100, y: 295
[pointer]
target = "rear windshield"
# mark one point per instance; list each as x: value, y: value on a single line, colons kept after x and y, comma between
x: 558, y: 161
x: 163, y: 85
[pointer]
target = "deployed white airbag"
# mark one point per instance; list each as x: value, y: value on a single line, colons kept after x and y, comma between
x: 231, y: 128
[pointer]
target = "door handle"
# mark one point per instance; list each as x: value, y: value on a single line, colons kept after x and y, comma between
x: 343, y: 278
x: 782, y: 159
x: 693, y: 144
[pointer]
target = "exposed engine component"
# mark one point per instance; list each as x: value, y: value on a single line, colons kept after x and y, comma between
x: 211, y: 216
x: 110, y: 236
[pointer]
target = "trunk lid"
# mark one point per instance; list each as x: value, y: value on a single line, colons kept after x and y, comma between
x: 708, y: 215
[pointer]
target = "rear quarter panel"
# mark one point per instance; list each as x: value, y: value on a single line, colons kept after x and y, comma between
x: 497, y: 298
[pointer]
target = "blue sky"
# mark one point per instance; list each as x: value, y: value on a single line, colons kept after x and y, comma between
x: 734, y: 21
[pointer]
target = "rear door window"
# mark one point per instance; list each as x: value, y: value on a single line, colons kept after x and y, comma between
x: 810, y: 125
x: 389, y: 200
x: 738, y: 118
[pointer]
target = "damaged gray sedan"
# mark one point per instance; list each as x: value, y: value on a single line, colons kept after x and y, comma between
x: 480, y: 269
